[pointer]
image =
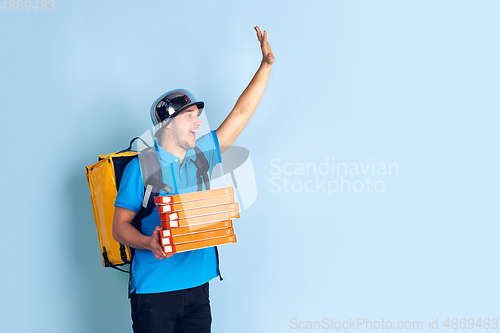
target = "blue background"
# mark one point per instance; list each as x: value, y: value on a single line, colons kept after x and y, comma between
x: 409, y: 82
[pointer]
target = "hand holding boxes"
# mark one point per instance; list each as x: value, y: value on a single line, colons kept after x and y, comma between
x: 197, y: 220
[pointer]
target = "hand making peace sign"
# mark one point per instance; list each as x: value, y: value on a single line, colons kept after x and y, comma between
x: 267, y: 53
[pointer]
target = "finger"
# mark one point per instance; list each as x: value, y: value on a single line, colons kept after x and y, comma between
x: 159, y: 249
x: 156, y: 231
x: 265, y: 44
x: 259, y: 34
x: 160, y: 254
x: 269, y: 47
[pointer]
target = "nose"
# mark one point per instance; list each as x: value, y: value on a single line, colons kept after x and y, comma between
x: 197, y: 121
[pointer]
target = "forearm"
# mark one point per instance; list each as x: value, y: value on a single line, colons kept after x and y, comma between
x: 251, y: 96
x: 127, y: 234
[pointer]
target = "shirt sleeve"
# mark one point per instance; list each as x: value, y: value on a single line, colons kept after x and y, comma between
x: 131, y: 189
x: 209, y: 145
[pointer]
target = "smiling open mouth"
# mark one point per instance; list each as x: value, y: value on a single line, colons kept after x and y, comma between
x: 192, y: 133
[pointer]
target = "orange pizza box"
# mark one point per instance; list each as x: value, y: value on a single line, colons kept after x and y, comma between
x: 162, y: 208
x: 199, y: 211
x: 199, y: 244
x: 196, y: 228
x: 172, y: 240
x: 168, y: 199
x: 199, y: 220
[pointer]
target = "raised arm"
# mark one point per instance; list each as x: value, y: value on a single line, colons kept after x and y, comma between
x: 244, y: 108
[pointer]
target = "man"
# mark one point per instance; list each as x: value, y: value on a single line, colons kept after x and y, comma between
x: 170, y: 292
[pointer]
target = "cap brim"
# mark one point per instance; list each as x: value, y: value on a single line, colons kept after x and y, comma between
x: 199, y: 104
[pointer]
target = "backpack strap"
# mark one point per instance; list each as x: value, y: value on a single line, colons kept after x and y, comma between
x: 202, y: 177
x: 153, y: 182
x: 202, y: 167
x: 132, y: 142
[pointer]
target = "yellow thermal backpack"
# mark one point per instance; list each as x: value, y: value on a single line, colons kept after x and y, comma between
x: 104, y: 181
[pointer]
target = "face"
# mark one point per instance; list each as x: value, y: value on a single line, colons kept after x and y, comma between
x: 184, y: 127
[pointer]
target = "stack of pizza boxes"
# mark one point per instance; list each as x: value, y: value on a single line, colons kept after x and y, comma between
x: 197, y: 220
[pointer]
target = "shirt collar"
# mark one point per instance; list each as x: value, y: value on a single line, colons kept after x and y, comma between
x: 163, y: 154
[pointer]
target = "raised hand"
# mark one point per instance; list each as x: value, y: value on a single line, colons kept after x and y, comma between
x: 267, y: 53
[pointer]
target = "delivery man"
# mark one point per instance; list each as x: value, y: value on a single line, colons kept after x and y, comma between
x: 169, y: 293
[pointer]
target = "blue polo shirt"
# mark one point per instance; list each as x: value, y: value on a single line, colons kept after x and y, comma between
x: 182, y: 270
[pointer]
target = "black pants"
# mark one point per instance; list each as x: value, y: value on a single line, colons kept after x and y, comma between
x: 178, y: 311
